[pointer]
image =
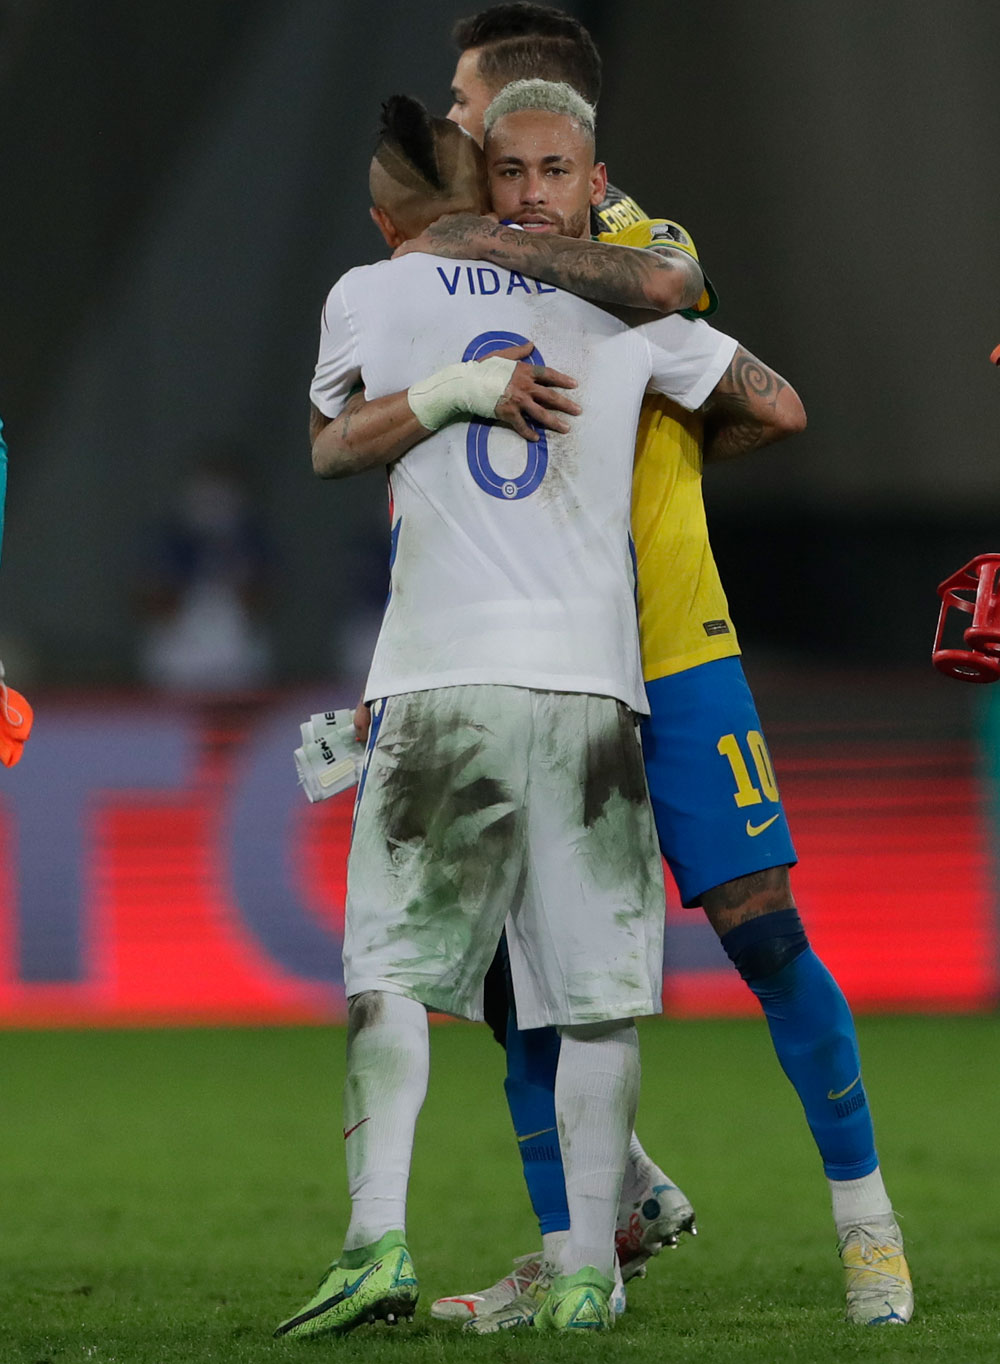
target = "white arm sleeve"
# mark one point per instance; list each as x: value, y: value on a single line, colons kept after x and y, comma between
x: 687, y: 358
x: 338, y: 369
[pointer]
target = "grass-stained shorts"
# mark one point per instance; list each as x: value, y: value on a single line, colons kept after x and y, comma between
x: 481, y: 804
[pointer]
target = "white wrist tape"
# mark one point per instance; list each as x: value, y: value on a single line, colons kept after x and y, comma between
x: 470, y: 389
x: 329, y: 760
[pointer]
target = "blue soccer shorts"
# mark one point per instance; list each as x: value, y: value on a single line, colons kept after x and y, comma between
x: 716, y: 803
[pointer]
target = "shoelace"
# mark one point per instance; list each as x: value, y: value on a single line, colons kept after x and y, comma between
x: 527, y: 1268
x: 530, y: 1297
x: 872, y: 1245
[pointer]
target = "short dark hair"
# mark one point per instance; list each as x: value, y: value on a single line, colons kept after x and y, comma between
x: 524, y: 20
x: 548, y: 59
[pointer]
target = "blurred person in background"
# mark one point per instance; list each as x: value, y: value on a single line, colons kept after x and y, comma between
x: 364, y: 584
x: 206, y: 587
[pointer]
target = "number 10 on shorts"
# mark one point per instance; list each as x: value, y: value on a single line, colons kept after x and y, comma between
x: 747, y: 793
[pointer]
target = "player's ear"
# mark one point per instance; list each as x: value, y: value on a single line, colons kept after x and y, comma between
x: 393, y: 237
x: 598, y: 183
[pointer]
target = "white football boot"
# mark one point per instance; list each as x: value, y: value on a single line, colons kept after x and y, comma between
x: 520, y: 1311
x: 879, y: 1290
x: 466, y: 1306
x: 657, y: 1218
x: 501, y: 1308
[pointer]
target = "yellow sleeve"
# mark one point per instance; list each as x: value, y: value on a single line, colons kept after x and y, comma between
x: 665, y: 232
x: 683, y: 613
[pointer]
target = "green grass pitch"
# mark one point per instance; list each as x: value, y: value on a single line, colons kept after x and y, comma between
x: 167, y: 1197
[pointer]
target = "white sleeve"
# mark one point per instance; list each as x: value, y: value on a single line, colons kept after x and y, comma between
x: 338, y: 369
x: 688, y: 358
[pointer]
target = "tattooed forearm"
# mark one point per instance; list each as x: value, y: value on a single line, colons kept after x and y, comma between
x: 353, y: 404
x: 620, y: 275
x: 623, y: 276
x: 750, y: 406
x: 735, y: 415
x: 364, y: 435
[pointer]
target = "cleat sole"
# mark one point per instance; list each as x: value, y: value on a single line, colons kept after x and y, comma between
x: 391, y: 1310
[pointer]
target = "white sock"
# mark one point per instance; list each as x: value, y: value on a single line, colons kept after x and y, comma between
x: 640, y: 1172
x: 388, y: 1057
x: 597, y: 1090
x: 859, y: 1200
x: 552, y: 1245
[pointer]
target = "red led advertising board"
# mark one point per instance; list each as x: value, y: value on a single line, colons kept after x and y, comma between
x: 159, y: 865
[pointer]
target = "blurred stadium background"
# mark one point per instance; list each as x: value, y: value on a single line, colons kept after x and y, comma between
x: 182, y: 184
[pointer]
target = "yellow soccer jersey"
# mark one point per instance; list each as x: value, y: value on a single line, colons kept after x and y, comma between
x: 683, y: 613
x: 620, y: 219
x: 616, y: 212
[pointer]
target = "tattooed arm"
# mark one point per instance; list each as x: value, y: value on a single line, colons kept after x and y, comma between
x: 749, y: 407
x: 367, y: 433
x: 364, y: 435
x: 663, y: 280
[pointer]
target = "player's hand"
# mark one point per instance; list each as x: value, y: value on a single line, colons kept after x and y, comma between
x: 462, y: 236
x: 362, y: 721
x: 533, y: 395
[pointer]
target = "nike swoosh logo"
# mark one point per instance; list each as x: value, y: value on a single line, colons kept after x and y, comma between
x: 348, y: 1291
x: 830, y: 1094
x: 754, y: 829
x: 349, y: 1130
x: 540, y: 1133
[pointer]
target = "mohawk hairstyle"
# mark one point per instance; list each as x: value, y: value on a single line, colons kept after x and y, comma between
x: 406, y: 127
x: 423, y: 167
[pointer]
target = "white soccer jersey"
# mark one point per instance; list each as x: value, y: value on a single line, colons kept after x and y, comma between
x: 512, y: 562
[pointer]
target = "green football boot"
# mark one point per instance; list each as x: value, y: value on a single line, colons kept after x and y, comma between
x: 373, y: 1283
x: 577, y: 1302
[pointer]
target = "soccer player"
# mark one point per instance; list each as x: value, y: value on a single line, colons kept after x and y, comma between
x: 504, y: 764
x: 719, y: 817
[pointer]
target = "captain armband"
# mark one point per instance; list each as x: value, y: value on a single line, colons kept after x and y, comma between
x: 470, y: 389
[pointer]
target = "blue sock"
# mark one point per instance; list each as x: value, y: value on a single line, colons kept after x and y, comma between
x: 532, y: 1058
x: 814, y: 1037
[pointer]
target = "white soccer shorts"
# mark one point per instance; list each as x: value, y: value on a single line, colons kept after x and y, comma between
x: 485, y: 803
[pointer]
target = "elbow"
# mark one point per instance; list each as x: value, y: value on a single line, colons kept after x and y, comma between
x: 789, y: 417
x: 679, y: 287
x: 323, y: 467
x: 695, y: 285
x: 795, y: 419
x: 319, y: 441
x: 331, y: 457
x: 692, y: 283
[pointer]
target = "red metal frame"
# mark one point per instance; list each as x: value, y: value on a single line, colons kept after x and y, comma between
x: 980, y: 661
